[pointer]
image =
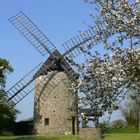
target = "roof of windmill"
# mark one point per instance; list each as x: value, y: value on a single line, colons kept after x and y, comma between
x: 56, y: 66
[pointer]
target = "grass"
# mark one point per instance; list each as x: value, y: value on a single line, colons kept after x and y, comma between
x: 122, y: 136
x: 39, y: 138
x: 123, y: 130
x: 116, y: 136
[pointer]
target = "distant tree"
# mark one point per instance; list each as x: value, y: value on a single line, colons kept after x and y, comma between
x: 130, y: 110
x: 7, y: 112
x: 4, y: 69
x: 118, y: 123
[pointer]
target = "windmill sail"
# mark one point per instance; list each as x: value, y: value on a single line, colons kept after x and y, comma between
x: 31, y: 32
x: 57, y: 62
x: 24, y: 86
x: 85, y: 41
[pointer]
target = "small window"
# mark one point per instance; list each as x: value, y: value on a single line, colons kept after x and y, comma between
x: 46, y: 121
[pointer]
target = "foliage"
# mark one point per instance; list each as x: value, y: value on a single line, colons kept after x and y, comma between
x: 119, y: 124
x: 105, y: 126
x: 4, y: 69
x: 130, y: 111
x: 23, y: 127
x: 106, y: 77
x: 7, y: 116
x: 128, y: 130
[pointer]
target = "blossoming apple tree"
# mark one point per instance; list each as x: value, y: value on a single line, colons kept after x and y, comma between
x: 106, y: 77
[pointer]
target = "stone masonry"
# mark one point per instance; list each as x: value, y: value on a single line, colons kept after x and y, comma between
x: 90, y: 134
x: 54, y: 112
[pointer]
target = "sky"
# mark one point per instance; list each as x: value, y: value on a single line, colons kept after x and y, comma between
x: 59, y: 21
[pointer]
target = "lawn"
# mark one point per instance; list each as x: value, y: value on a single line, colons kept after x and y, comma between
x: 40, y: 138
x: 122, y: 136
x: 118, y: 136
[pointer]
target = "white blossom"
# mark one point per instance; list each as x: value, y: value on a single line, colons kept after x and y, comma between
x: 116, y: 70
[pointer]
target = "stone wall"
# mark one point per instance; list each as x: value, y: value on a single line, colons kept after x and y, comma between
x: 57, y: 107
x: 90, y: 133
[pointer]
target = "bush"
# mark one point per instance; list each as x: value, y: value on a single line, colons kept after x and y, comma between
x: 119, y: 124
x: 23, y: 127
x: 123, y: 130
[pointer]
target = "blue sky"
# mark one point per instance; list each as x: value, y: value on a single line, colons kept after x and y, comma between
x: 59, y: 21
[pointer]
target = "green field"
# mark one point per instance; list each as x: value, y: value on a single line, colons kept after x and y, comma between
x: 119, y: 136
x: 122, y: 136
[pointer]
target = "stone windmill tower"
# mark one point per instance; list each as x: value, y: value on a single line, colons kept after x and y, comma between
x: 55, y: 105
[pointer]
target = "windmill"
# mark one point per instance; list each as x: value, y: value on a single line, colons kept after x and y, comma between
x: 55, y: 107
